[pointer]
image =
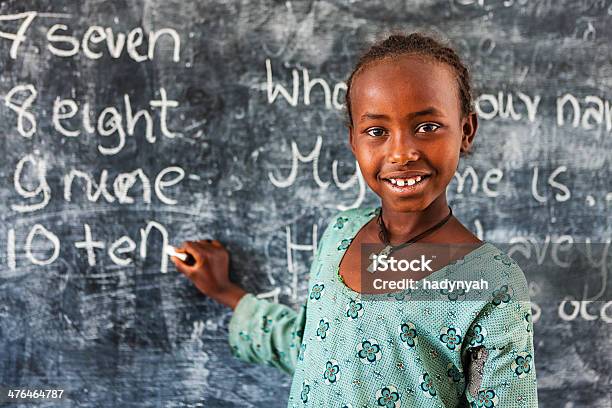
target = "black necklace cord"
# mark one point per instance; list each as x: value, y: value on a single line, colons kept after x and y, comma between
x: 383, y: 234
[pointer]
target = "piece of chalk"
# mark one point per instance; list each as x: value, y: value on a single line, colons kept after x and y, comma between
x: 171, y: 251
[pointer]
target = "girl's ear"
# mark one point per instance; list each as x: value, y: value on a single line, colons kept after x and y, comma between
x: 469, y: 125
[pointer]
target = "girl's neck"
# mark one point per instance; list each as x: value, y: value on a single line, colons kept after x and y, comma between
x: 401, y: 226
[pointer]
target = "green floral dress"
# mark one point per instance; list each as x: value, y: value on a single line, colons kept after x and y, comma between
x: 344, y: 350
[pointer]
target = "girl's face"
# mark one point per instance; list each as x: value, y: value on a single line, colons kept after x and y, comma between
x: 407, y: 121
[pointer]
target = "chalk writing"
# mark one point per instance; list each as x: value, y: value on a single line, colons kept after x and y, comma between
x: 65, y: 45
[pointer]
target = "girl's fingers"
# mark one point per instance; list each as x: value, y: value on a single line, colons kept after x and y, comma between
x: 178, y: 262
x: 182, y: 248
x: 196, y: 253
x: 190, y: 267
x: 185, y: 269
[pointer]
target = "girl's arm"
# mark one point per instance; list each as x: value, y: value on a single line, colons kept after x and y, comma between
x: 261, y: 331
x: 499, y: 363
x: 270, y: 333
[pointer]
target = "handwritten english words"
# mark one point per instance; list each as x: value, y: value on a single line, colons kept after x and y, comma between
x: 72, y: 119
x: 38, y: 194
x: 31, y: 171
x: 591, y: 112
x: 94, y: 42
x: 532, y: 251
x: 42, y: 246
x: 545, y: 185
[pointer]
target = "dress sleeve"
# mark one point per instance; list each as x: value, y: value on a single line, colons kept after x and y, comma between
x: 269, y: 333
x: 264, y: 332
x: 498, y: 354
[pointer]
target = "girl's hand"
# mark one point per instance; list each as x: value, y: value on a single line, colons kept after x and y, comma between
x: 210, y: 272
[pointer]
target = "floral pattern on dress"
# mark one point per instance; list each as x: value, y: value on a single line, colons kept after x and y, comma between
x: 344, y: 244
x: 354, y: 309
x: 332, y: 372
x: 266, y: 324
x: 501, y: 296
x: 426, y: 385
x: 454, y: 375
x: 244, y: 336
x: 521, y: 365
x: 504, y: 258
x: 316, y: 291
x: 408, y: 334
x: 322, y: 329
x: 305, y: 391
x: 476, y: 335
x: 388, y: 397
x: 486, y: 398
x: 401, y: 295
x: 454, y: 295
x: 529, y: 323
x: 451, y: 337
x: 369, y: 351
x: 340, y: 222
x: 350, y: 361
x: 298, y: 333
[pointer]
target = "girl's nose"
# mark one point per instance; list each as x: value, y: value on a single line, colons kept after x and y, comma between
x: 402, y: 149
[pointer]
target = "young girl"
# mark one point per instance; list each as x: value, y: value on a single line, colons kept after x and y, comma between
x: 409, y: 105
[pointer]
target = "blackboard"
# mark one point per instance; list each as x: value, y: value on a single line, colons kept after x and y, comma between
x: 130, y: 124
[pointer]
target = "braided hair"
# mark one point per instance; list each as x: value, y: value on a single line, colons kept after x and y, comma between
x: 415, y: 44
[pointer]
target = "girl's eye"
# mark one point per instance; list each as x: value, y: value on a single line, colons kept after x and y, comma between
x: 379, y: 131
x: 429, y: 128
x: 429, y: 125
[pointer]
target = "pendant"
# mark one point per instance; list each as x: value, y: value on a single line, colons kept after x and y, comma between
x: 370, y: 268
x: 385, y: 251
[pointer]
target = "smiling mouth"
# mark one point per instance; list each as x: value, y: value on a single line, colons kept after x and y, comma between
x: 408, y: 185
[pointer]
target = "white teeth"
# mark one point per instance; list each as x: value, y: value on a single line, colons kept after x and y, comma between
x: 403, y: 182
